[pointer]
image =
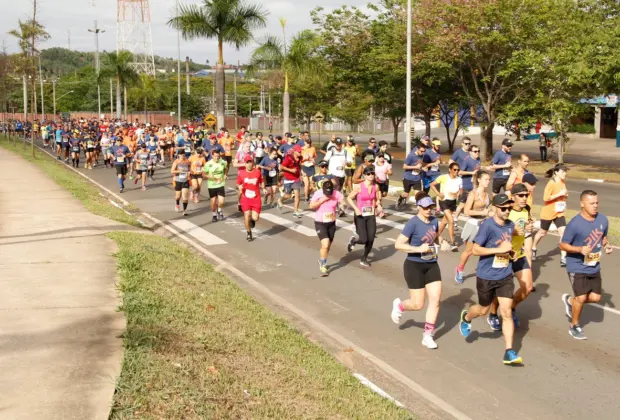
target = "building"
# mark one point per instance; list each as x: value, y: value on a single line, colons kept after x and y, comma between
x: 605, y: 115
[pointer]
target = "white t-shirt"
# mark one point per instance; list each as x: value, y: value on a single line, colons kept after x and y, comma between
x: 449, y: 187
x: 337, y: 161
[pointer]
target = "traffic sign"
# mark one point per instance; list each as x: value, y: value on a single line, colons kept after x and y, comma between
x: 210, y: 119
x: 318, y: 117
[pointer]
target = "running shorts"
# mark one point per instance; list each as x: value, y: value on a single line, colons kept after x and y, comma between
x: 179, y: 186
x: 308, y: 170
x: 196, y: 176
x: 349, y: 171
x: 325, y: 230
x: 584, y: 284
x: 339, y: 183
x: 447, y: 205
x: 488, y: 290
x: 228, y: 160
x: 520, y: 264
x: 289, y: 187
x: 558, y: 222
x: 411, y: 185
x: 121, y: 169
x: 215, y: 192
x: 250, y: 204
x: 470, y: 230
x: 140, y: 171
x: 463, y: 196
x: 270, y: 181
x: 498, y: 184
x: 419, y: 274
x: 384, y: 187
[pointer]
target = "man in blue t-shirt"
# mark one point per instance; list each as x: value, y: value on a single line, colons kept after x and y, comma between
x: 459, y: 155
x: 411, y: 177
x: 469, y: 166
x: 501, y: 164
x: 121, y: 158
x: 431, y: 160
x: 493, y: 244
x: 584, y: 240
x: 211, y: 145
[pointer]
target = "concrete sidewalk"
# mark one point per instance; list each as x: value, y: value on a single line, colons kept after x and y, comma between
x: 60, y: 333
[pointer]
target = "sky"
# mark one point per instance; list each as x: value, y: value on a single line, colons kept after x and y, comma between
x: 70, y: 20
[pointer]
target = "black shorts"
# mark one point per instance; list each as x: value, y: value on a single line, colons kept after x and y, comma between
x: 140, y: 171
x: 178, y: 186
x: 520, y: 265
x: 409, y: 185
x: 270, y: 181
x: 498, y: 184
x: 325, y: 230
x: 584, y: 284
x: 419, y: 274
x: 339, y: 183
x: 217, y: 192
x: 228, y: 160
x: 558, y: 222
x: 349, y: 171
x: 196, y: 176
x: 121, y: 169
x: 67, y: 146
x: 447, y: 205
x: 488, y: 290
x: 384, y: 187
x: 90, y: 149
x: 463, y: 196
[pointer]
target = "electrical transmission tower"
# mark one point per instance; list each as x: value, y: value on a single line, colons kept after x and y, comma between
x: 133, y: 33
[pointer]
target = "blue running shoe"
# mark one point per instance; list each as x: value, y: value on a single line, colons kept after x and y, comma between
x: 464, y: 326
x: 515, y: 319
x: 512, y: 358
x: 458, y: 277
x: 494, y: 322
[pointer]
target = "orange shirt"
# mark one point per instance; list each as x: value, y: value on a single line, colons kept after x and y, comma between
x: 227, y: 143
x: 553, y: 208
x: 197, y: 163
x: 308, y: 154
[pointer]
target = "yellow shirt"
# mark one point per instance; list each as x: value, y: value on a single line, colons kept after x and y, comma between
x: 351, y: 151
x: 520, y: 219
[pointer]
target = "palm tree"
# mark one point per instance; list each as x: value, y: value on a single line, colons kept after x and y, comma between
x: 147, y: 91
x: 228, y: 21
x: 119, y: 67
x: 294, y: 60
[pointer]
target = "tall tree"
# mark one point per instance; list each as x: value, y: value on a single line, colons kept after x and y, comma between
x: 119, y: 67
x: 228, y: 21
x: 147, y: 91
x: 295, y: 60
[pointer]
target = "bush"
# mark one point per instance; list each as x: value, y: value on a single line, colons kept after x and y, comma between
x: 582, y: 129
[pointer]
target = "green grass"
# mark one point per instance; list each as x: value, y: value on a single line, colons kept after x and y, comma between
x: 79, y: 187
x: 198, y: 347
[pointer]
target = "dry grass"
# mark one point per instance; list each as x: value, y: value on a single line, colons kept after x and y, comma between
x: 197, y: 346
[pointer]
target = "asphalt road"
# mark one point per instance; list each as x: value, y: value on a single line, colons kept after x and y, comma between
x: 562, y: 378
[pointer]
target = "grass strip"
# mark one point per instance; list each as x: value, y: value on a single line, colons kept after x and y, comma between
x: 79, y: 187
x: 198, y: 346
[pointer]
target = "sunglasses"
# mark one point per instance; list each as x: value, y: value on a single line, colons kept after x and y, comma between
x: 455, y: 169
x: 466, y: 144
x: 370, y: 174
x: 504, y: 209
x: 475, y: 151
x: 525, y: 195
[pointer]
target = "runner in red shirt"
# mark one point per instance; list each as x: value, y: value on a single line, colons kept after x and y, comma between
x: 291, y: 170
x: 241, y: 135
x: 250, y: 184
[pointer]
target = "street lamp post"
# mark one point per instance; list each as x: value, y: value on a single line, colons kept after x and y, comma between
x: 178, y: 68
x: 54, y: 96
x: 408, y: 87
x: 97, y: 31
x: 41, y: 81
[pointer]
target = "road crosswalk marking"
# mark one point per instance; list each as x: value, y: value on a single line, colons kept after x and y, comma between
x: 197, y: 232
x: 289, y: 224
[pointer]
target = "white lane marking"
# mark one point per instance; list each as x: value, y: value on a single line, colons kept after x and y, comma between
x: 197, y: 232
x: 596, y: 180
x: 310, y: 320
x: 606, y: 308
x: 376, y: 389
x: 340, y: 223
x: 391, y: 240
x: 288, y: 224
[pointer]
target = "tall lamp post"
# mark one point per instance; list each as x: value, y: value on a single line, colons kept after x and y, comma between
x: 97, y: 31
x: 408, y: 88
x: 178, y: 69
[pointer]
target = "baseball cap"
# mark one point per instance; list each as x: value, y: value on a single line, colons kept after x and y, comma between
x: 369, y: 170
x: 425, y: 137
x: 369, y: 158
x: 327, y: 187
x: 297, y: 148
x: 530, y: 179
x: 426, y: 202
x: 518, y: 189
x: 323, y: 163
x: 338, y: 140
x: 248, y: 158
x: 506, y: 142
x: 502, y: 199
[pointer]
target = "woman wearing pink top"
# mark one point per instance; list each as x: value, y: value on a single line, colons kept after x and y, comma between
x: 367, y: 203
x: 325, y: 201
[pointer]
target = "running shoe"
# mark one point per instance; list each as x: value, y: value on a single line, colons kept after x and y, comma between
x: 515, y: 319
x: 494, y: 322
x: 458, y: 278
x: 464, y: 326
x: 396, y: 312
x: 214, y: 219
x: 58, y: 158
x: 512, y: 358
x: 534, y: 254
x: 184, y: 212
x: 151, y: 178
x: 365, y: 263
x: 220, y: 215
x: 453, y: 247
x: 279, y: 204
x: 297, y: 214
x: 399, y: 202
x: 177, y: 208
x: 130, y: 176
x: 144, y: 188
x: 121, y: 190
x: 428, y: 342
x: 248, y: 237
x: 136, y: 181
x: 577, y: 332
x: 351, y: 244
x: 342, y: 213
x: 322, y: 269
x: 568, y: 308
x: 562, y: 262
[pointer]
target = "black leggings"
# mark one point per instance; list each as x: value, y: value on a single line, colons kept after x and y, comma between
x: 366, y: 227
x: 543, y: 153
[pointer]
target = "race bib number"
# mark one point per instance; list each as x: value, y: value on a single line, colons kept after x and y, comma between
x: 435, y: 168
x: 152, y: 155
x: 308, y: 163
x: 501, y: 260
x: 250, y: 194
x: 592, y: 259
x: 182, y: 176
x: 368, y: 211
x: 188, y: 150
x: 339, y: 168
x: 415, y: 172
x: 560, y: 206
x: 76, y: 148
x: 272, y: 173
x: 506, y: 172
x: 329, y: 217
x: 432, y: 254
x: 120, y: 159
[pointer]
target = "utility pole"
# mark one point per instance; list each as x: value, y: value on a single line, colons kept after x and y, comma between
x: 54, y: 96
x: 41, y: 82
x: 178, y: 69
x: 111, y: 101
x: 34, y: 73
x: 25, y: 83
x: 187, y: 74
x: 97, y: 31
x: 409, y: 125
x: 235, y: 93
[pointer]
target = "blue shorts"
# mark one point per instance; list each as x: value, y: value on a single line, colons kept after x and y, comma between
x: 290, y: 186
x: 308, y: 170
x: 520, y: 265
x: 428, y: 180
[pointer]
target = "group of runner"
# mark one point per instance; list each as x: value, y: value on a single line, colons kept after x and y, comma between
x: 499, y: 227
